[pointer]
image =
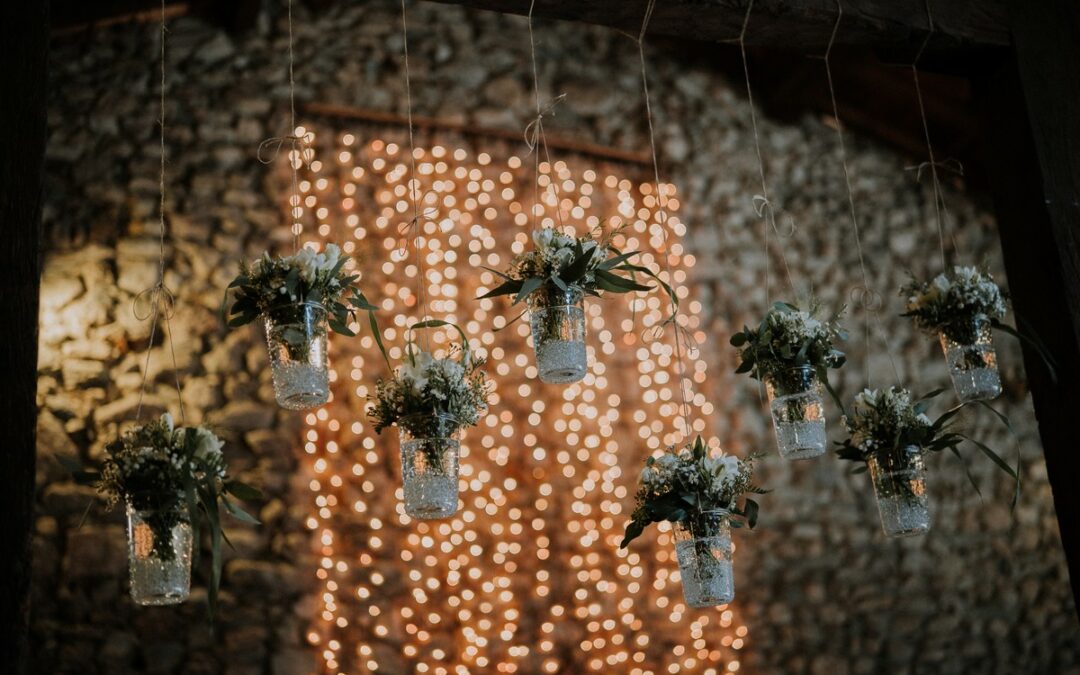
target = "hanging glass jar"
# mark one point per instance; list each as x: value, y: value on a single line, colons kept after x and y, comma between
x: 798, y: 412
x: 704, y: 551
x: 558, y: 330
x: 159, y: 551
x: 969, y: 351
x: 430, y: 455
x: 296, y: 337
x: 899, y: 477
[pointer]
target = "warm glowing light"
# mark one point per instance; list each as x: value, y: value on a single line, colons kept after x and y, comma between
x: 527, y: 574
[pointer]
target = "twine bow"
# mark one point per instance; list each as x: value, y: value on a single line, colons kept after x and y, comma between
x: 867, y: 298
x: 683, y: 337
x: 272, y: 146
x: 950, y: 165
x: 764, y: 209
x: 534, y: 131
x: 149, y: 302
x: 407, y: 231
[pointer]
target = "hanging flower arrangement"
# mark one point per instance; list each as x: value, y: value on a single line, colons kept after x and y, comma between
x: 431, y: 400
x: 173, y: 482
x: 890, y: 432
x: 554, y: 278
x: 699, y: 495
x: 298, y: 298
x: 791, y: 352
x: 961, y: 306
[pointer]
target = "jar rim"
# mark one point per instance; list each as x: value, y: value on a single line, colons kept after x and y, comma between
x: 298, y: 303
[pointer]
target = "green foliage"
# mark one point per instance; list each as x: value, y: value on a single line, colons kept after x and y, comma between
x: 681, y: 486
x: 306, y: 277
x: 953, y: 302
x: 177, y: 474
x: 425, y: 392
x: 559, y: 264
x: 789, y: 338
x: 886, y: 420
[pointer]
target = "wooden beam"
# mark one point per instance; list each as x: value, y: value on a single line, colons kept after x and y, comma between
x: 1032, y: 139
x: 437, y: 124
x: 24, y: 47
x: 797, y: 24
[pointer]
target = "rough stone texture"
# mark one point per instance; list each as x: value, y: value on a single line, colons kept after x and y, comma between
x: 819, y: 588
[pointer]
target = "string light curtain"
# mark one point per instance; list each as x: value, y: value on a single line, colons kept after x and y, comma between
x: 527, y: 576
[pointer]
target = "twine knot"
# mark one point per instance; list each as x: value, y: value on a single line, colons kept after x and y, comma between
x: 272, y: 147
x: 408, y: 230
x: 148, y: 302
x: 950, y: 165
x: 764, y: 209
x: 867, y: 298
x: 534, y: 131
x: 682, y: 335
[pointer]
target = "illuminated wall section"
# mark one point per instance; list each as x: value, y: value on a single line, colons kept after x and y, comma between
x: 527, y: 577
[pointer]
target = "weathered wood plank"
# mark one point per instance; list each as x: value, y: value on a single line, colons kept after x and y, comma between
x: 24, y: 44
x: 1032, y: 107
x: 796, y: 24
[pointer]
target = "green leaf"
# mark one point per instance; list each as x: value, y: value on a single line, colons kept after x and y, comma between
x: 1036, y: 345
x: 633, y: 530
x: 620, y: 284
x: 243, y: 491
x: 612, y: 263
x: 507, y: 288
x: 578, y: 267
x: 750, y: 510
x: 738, y: 340
x: 378, y: 339
x: 238, y: 513
x: 292, y: 282
x: 527, y: 287
x: 955, y: 451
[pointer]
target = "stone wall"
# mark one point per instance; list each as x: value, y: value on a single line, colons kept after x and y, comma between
x: 821, y: 591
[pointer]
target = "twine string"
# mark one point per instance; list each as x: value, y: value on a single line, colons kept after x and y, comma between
x: 535, y: 138
x: 940, y: 209
x: 763, y: 206
x: 662, y: 220
x: 870, y: 300
x: 413, y: 225
x: 299, y: 146
x: 160, y: 299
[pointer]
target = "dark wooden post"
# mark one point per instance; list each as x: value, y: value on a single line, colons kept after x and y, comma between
x: 24, y: 45
x: 1032, y: 140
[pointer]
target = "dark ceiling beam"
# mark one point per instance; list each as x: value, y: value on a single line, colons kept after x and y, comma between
x: 795, y: 24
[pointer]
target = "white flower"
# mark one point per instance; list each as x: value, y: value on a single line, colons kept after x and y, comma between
x: 167, y: 420
x: 331, y: 256
x: 730, y: 464
x: 542, y: 238
x: 415, y: 371
x: 207, y: 445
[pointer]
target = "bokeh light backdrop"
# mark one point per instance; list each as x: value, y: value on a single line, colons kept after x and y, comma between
x: 527, y: 577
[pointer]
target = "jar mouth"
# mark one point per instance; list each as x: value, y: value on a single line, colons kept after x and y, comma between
x: 429, y: 425
x: 154, y: 501
x: 293, y: 305
x: 551, y: 297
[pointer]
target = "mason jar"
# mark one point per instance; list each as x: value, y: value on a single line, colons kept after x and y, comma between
x: 798, y: 412
x: 430, y: 456
x: 296, y: 335
x: 899, y: 477
x: 558, y: 331
x: 159, y: 552
x: 969, y: 352
x: 704, y: 551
